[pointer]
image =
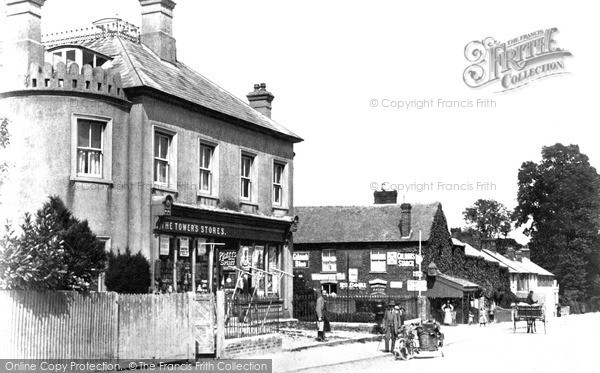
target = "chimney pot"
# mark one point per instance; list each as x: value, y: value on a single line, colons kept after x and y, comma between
x: 260, y: 99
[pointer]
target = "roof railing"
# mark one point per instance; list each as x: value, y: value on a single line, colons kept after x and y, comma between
x: 107, y: 27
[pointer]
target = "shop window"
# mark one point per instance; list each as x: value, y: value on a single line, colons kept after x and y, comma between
x: 378, y: 260
x: 329, y: 261
x: 272, y: 258
x: 330, y: 288
x: 206, y: 168
x: 278, y: 186
x: 91, y: 148
x: 164, y: 159
x: 246, y: 177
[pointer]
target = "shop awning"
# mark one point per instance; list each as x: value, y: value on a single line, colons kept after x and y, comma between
x: 445, y: 286
x: 212, y: 222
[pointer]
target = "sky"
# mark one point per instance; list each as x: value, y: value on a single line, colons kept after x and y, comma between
x: 337, y: 67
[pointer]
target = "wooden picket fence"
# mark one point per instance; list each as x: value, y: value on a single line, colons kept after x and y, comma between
x: 108, y: 326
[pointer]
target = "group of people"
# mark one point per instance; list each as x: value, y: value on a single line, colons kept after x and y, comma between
x: 393, y: 319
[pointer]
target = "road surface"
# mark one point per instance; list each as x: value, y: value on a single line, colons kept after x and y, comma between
x: 571, y: 344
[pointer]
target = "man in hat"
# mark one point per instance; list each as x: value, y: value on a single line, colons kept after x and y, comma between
x: 390, y: 325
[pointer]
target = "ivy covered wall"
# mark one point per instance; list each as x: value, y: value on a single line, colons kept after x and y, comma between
x: 451, y: 260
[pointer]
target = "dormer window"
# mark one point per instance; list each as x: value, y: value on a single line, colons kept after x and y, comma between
x: 81, y: 56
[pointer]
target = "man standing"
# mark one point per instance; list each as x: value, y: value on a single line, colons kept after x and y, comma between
x: 320, y: 308
x: 390, y: 325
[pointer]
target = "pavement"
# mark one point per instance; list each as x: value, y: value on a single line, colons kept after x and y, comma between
x: 360, y: 348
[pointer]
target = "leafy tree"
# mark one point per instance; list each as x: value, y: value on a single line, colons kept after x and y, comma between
x: 300, y: 285
x: 489, y: 218
x: 4, y: 142
x: 126, y: 273
x: 560, y: 197
x: 56, y: 251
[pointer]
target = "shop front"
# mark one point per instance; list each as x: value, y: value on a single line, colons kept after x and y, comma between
x: 204, y: 250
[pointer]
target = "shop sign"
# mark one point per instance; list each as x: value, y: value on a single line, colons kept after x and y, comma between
x: 227, y: 258
x: 396, y: 284
x: 416, y: 285
x: 405, y: 263
x: 164, y: 245
x: 193, y: 228
x: 301, y: 259
x: 378, y: 288
x: 184, y: 246
x: 392, y: 258
x: 353, y: 274
x: 406, y: 256
x: 328, y: 276
x: 353, y: 286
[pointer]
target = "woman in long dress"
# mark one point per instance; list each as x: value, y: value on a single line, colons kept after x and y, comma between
x: 447, y: 308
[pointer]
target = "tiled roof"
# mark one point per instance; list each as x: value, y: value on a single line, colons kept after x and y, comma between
x: 513, y: 266
x: 140, y: 67
x: 375, y: 223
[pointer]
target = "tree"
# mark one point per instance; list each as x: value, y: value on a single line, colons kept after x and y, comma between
x: 126, y: 273
x: 4, y: 142
x: 56, y: 251
x: 560, y: 198
x: 489, y: 218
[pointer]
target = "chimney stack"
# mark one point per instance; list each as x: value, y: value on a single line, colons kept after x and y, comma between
x: 405, y: 219
x: 525, y: 252
x: 157, y: 28
x: 23, y: 39
x: 260, y: 99
x: 383, y: 197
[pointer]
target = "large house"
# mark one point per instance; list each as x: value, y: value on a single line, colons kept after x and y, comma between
x: 155, y: 156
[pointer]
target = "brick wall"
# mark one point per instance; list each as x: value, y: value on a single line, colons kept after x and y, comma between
x: 249, y: 346
x: 359, y: 256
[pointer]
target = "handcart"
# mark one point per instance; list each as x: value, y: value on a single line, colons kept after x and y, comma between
x: 530, y: 314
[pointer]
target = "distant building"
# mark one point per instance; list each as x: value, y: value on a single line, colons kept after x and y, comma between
x: 155, y: 156
x: 524, y: 275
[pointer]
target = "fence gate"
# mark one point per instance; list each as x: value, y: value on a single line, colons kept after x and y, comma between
x: 203, y: 320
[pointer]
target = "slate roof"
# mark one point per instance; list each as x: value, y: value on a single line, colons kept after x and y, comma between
x: 513, y: 266
x: 140, y: 67
x: 471, y: 251
x: 535, y: 268
x: 375, y: 223
x: 460, y: 281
